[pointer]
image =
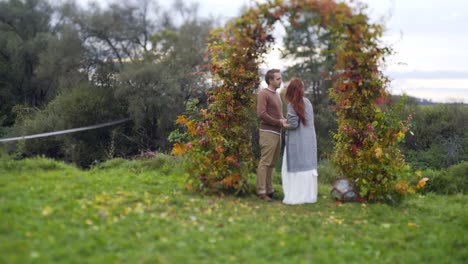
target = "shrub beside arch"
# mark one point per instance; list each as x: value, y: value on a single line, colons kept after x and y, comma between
x: 218, y: 147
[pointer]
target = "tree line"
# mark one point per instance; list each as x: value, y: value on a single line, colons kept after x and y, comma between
x: 65, y: 66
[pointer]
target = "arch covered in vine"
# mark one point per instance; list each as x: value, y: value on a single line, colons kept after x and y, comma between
x: 218, y: 144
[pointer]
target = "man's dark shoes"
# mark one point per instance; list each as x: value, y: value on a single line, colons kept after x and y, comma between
x: 265, y: 198
x: 270, y: 195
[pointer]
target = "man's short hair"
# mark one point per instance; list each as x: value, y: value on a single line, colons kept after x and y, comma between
x: 269, y: 75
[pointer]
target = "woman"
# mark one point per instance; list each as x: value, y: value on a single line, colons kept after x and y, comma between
x: 299, y: 170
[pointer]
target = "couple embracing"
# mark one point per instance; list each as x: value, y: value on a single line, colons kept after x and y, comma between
x: 299, y: 169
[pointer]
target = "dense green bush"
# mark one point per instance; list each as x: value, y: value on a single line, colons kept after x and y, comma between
x: 325, y: 124
x: 453, y: 180
x: 37, y: 163
x: 83, y: 106
x: 327, y: 172
x: 438, y: 137
x: 151, y: 162
x: 161, y: 162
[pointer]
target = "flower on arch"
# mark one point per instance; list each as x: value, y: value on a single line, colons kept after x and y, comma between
x: 191, y: 127
x: 422, y: 183
x: 182, y: 119
x: 179, y: 149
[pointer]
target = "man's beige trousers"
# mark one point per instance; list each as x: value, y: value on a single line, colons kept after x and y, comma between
x: 270, y: 146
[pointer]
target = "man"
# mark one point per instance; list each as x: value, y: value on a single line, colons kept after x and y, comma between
x: 270, y: 113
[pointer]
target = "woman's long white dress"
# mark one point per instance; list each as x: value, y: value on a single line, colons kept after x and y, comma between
x: 298, y: 187
x: 299, y: 176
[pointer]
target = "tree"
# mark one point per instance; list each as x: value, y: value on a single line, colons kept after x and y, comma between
x: 152, y: 65
x: 308, y: 46
x: 148, y: 68
x: 21, y: 43
x: 84, y: 105
x: 171, y: 72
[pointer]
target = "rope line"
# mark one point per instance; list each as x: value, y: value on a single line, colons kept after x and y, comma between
x: 66, y: 131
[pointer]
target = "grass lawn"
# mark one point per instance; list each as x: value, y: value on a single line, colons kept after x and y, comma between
x: 136, y: 212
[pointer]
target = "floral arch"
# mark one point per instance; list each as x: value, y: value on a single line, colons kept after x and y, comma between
x: 218, y: 143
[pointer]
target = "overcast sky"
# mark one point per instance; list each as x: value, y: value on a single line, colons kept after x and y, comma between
x: 430, y: 38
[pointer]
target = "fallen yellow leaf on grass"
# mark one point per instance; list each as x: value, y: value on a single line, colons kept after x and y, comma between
x: 411, y: 224
x: 47, y: 211
x: 163, y: 215
x: 333, y: 220
x: 385, y: 225
x: 139, y: 208
x: 127, y: 210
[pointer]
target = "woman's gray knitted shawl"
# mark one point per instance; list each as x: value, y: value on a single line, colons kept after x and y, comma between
x: 301, y: 142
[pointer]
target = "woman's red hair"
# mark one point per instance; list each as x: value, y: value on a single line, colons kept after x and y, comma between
x: 295, y: 94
